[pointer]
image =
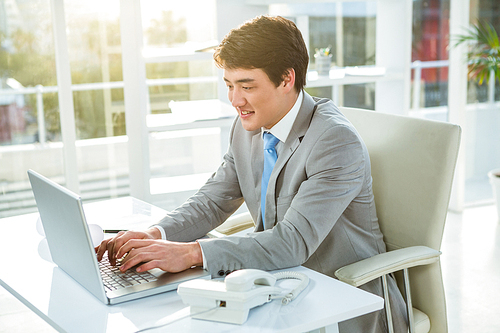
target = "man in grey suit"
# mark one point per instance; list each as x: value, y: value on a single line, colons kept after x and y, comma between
x: 318, y: 210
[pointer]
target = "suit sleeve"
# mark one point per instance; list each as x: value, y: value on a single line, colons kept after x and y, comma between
x: 334, y: 177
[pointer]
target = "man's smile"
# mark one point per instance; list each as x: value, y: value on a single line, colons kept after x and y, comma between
x: 244, y: 113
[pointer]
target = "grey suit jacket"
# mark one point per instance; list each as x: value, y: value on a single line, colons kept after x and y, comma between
x: 319, y: 200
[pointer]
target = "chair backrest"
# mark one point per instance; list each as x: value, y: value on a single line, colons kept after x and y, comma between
x: 413, y: 162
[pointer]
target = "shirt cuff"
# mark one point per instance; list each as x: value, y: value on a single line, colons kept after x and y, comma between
x: 162, y: 231
x: 203, y: 256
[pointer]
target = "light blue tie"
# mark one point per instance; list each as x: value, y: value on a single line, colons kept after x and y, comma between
x: 270, y: 157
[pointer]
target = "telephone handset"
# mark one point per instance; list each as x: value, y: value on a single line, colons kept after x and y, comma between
x: 231, y: 300
x: 245, y: 279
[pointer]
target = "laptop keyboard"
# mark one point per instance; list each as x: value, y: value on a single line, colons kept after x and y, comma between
x: 114, y: 279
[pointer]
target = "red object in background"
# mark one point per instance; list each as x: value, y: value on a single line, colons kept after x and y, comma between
x: 433, y: 45
x: 12, y: 120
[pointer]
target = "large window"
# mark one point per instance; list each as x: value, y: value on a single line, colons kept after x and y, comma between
x: 178, y: 71
x: 187, y: 127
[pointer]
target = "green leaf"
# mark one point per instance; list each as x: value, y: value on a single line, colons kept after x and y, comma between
x: 484, y: 50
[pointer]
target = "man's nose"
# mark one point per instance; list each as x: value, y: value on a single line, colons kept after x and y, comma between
x: 237, y: 100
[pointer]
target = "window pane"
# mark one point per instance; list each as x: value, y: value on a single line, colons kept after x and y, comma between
x: 431, y: 21
x: 360, y: 96
x: 95, y: 60
x: 29, y: 114
x: 96, y: 72
x: 349, y: 95
x: 26, y: 60
x: 182, y: 82
x: 175, y: 35
x: 483, y: 119
x: 347, y: 30
x: 178, y: 24
x: 325, y: 92
x: 323, y: 34
x: 477, y: 93
x: 483, y: 11
x: 181, y: 161
x: 435, y: 87
x: 359, y: 33
x: 430, y: 29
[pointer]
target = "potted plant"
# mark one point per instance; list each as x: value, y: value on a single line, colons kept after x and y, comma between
x: 484, y: 65
x: 323, y: 60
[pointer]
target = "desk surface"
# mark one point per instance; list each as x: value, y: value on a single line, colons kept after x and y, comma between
x: 67, y: 306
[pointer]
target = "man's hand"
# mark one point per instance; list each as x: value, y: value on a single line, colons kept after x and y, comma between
x: 152, y: 253
x: 136, y: 247
x: 112, y: 245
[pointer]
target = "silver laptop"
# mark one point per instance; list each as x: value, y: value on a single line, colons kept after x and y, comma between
x: 71, y: 248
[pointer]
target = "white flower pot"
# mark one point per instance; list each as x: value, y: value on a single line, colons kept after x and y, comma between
x: 494, y: 176
x: 323, y: 64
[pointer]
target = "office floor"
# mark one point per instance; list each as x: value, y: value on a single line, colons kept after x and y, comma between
x: 471, y: 269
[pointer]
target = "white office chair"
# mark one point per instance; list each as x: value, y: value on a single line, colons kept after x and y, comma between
x: 413, y: 162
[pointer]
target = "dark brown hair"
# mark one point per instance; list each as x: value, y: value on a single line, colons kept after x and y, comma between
x: 273, y: 44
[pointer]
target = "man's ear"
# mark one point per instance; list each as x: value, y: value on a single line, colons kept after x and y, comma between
x: 289, y: 79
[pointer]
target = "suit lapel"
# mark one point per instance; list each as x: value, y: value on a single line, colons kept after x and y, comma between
x: 257, y: 161
x: 299, y: 129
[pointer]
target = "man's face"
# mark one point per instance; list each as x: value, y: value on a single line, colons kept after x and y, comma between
x: 256, y: 98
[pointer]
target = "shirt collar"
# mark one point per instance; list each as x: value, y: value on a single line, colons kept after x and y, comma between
x: 284, y: 126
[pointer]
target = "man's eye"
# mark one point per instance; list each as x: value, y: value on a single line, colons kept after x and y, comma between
x: 247, y: 88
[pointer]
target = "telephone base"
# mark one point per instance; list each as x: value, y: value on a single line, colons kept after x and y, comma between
x: 231, y: 300
x: 209, y: 300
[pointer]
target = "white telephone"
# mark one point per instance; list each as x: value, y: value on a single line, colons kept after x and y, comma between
x: 230, y: 300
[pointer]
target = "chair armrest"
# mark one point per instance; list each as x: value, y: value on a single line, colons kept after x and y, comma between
x: 363, y: 271
x: 232, y: 225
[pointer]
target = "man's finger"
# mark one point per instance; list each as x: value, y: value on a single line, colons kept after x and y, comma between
x: 122, y: 238
x: 111, y: 255
x: 132, y: 244
x: 136, y: 257
x: 149, y: 265
x: 101, y: 249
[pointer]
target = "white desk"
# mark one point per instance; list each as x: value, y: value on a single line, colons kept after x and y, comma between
x: 68, y: 307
